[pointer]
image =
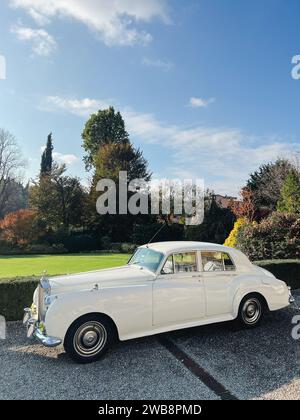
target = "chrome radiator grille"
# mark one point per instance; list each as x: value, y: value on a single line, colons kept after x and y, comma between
x: 41, y: 303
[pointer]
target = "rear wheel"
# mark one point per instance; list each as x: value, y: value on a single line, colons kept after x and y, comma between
x: 88, y: 338
x: 250, y: 311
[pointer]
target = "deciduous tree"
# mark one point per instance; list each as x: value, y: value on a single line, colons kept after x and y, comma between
x: 290, y: 195
x: 11, y: 163
x: 20, y: 227
x: 267, y: 182
x: 104, y: 127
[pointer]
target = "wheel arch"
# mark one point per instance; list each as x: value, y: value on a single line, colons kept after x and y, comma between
x: 96, y: 315
x: 241, y: 295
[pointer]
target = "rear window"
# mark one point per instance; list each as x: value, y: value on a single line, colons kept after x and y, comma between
x: 216, y: 261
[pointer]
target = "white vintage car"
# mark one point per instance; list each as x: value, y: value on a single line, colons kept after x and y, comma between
x: 165, y: 286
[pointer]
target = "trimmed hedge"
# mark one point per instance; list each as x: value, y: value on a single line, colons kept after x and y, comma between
x: 16, y: 294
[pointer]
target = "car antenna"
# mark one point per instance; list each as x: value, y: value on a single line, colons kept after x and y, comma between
x: 156, y: 233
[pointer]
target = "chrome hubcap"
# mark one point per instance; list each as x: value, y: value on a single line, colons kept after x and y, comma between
x: 90, y: 338
x: 251, y: 311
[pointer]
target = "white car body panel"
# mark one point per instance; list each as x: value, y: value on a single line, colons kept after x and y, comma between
x: 142, y: 303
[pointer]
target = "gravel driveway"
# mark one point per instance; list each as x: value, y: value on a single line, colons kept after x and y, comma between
x: 211, y: 362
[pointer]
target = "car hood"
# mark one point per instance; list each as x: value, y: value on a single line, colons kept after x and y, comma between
x: 113, y: 277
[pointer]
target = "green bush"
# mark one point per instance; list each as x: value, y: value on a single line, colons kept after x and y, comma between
x: 45, y: 249
x: 276, y: 237
x: 15, y: 295
x: 105, y: 242
x: 32, y: 249
x: 125, y: 248
x: 286, y: 270
x: 82, y: 242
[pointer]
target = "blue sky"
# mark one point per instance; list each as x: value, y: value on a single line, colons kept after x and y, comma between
x: 205, y: 86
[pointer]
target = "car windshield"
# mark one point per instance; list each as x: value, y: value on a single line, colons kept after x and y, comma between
x: 147, y: 258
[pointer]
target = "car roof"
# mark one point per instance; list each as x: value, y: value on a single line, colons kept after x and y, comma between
x: 240, y: 259
x: 175, y: 246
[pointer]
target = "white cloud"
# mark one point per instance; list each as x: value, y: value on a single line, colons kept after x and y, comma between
x: 82, y: 107
x: 223, y: 156
x: 42, y: 43
x: 115, y: 22
x: 200, y: 103
x: 160, y: 64
x: 67, y: 159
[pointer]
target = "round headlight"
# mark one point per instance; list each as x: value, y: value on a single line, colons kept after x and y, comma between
x: 45, y: 284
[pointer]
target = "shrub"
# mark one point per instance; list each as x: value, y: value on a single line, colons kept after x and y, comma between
x: 105, y: 242
x: 82, y: 242
x: 231, y: 241
x: 45, y: 249
x: 275, y: 237
x: 6, y: 249
x: 125, y: 248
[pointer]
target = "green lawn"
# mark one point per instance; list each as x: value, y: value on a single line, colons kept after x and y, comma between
x: 34, y: 265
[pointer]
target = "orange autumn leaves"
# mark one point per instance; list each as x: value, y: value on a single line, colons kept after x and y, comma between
x: 19, y: 227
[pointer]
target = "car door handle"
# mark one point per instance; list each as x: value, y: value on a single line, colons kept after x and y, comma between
x: 197, y: 276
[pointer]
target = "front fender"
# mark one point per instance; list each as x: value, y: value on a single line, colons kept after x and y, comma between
x: 67, y: 308
x: 129, y: 306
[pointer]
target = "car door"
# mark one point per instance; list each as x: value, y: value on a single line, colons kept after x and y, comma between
x: 178, y: 292
x: 219, y: 272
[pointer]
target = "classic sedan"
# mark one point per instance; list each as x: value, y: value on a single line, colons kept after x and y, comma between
x: 165, y: 286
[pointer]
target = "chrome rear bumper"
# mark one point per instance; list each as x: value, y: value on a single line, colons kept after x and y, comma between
x: 34, y: 330
x: 292, y: 300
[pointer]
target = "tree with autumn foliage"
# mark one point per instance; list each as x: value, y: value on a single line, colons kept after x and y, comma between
x: 245, y: 209
x: 245, y: 212
x: 20, y: 227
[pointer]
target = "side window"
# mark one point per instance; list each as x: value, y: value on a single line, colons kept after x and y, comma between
x: 185, y: 263
x: 168, y: 268
x: 217, y: 261
x: 228, y: 263
x: 212, y: 261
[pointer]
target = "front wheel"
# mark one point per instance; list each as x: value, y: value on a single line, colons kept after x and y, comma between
x: 88, y: 338
x: 250, y: 311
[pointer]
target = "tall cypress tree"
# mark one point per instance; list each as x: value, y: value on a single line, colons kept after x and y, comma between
x: 47, y: 159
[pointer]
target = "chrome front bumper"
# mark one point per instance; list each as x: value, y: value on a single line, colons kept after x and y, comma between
x: 34, y: 330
